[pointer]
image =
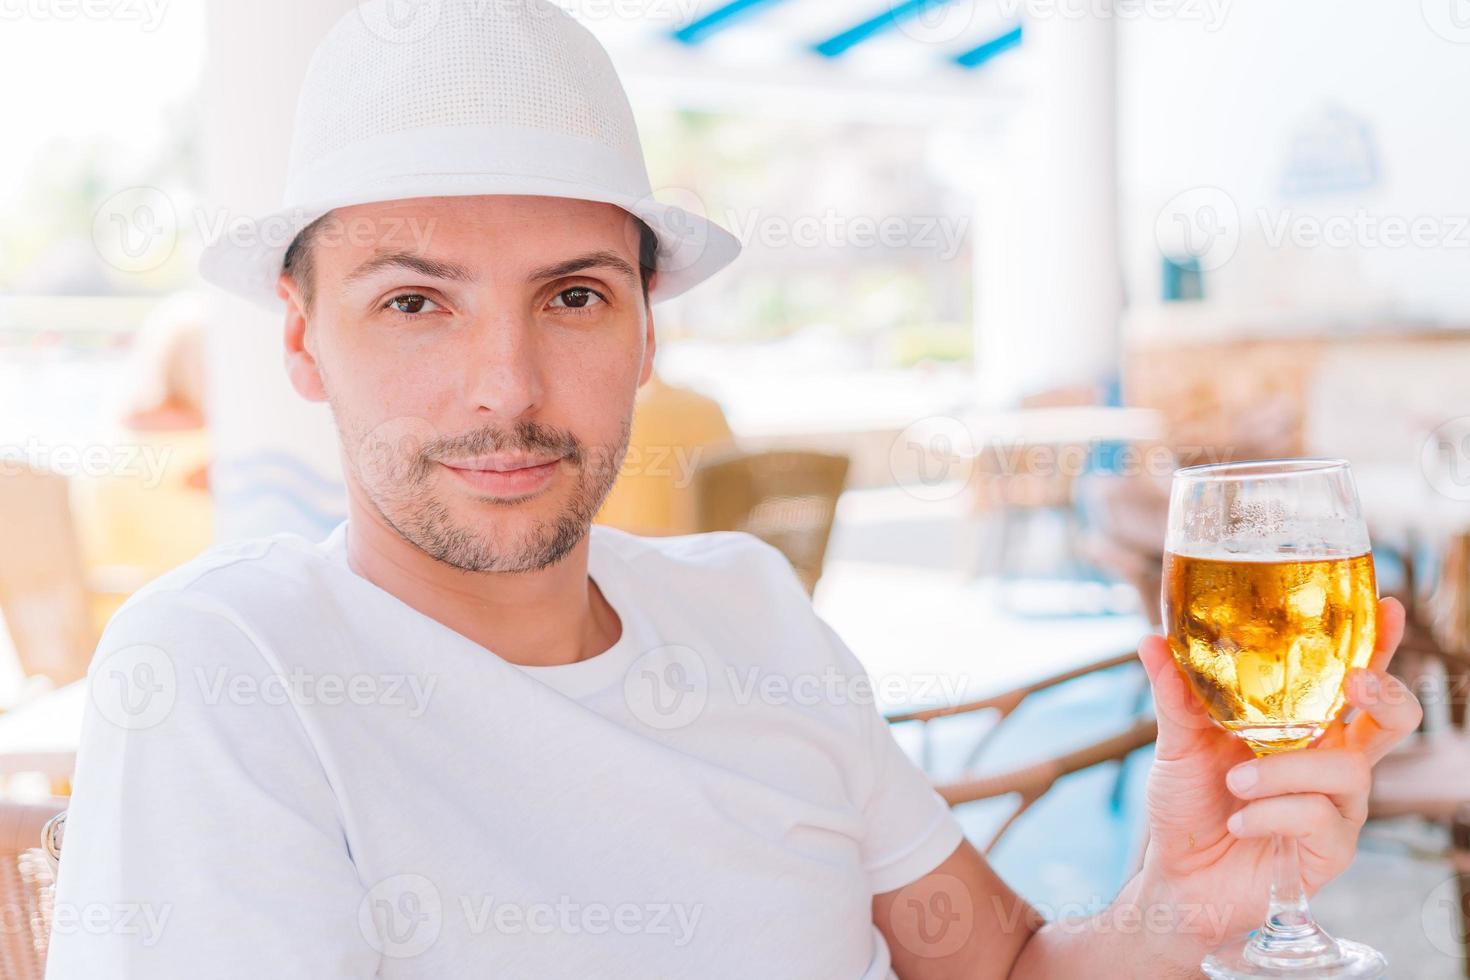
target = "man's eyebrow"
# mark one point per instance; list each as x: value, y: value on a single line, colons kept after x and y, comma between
x: 591, y: 260
x: 433, y: 268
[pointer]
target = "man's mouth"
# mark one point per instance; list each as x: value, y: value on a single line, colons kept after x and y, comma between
x: 505, y: 475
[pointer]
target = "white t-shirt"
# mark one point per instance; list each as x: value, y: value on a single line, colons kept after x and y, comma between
x: 287, y: 772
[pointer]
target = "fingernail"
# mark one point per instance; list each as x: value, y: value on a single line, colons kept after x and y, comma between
x: 1242, y: 777
x: 1234, y: 823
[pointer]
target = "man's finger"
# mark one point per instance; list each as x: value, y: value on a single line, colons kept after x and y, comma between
x: 1390, y: 632
x: 1391, y: 618
x: 1390, y: 712
x: 1309, y: 817
x: 1342, y: 775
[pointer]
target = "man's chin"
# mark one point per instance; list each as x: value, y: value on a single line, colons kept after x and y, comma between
x: 505, y: 536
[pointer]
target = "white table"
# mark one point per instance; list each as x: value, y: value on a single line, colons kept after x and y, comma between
x: 42, y: 735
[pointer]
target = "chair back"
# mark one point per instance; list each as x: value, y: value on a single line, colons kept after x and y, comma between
x: 1029, y: 783
x: 43, y: 591
x: 787, y: 499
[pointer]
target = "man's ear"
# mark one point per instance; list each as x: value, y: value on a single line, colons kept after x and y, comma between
x: 650, y: 341
x: 301, y: 366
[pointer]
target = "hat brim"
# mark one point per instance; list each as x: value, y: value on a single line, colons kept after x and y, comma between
x: 246, y: 259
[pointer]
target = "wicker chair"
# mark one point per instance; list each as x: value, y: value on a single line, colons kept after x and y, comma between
x: 787, y: 499
x: 30, y: 845
x: 1029, y: 783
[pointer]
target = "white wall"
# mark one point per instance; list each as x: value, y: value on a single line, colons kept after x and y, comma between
x: 1048, y: 294
x: 1201, y: 107
x: 277, y: 466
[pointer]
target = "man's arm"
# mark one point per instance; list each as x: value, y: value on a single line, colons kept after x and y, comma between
x: 962, y: 922
x: 1205, y: 875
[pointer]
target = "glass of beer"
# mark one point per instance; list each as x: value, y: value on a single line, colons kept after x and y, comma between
x: 1269, y: 600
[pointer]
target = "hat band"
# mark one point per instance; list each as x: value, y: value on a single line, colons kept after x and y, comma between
x: 425, y: 158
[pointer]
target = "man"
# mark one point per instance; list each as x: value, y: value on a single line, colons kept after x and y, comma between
x: 466, y: 737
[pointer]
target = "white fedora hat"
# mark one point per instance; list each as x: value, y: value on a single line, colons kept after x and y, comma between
x: 443, y: 98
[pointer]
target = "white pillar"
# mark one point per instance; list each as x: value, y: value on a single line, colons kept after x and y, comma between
x: 276, y: 466
x: 1049, y: 287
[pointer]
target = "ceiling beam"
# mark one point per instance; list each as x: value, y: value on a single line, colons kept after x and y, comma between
x: 839, y: 44
x: 702, y: 28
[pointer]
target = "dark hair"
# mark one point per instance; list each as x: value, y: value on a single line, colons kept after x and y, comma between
x: 298, y: 263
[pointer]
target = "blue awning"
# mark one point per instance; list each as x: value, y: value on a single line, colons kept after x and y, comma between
x: 944, y: 31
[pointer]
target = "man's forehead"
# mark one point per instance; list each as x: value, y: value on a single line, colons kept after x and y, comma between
x: 428, y: 266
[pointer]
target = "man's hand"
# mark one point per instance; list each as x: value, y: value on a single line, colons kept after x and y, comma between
x: 1205, y: 877
x: 1212, y: 806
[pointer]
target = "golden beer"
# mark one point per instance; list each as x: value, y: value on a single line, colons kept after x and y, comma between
x: 1267, y: 644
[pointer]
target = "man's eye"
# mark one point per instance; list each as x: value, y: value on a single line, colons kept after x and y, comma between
x: 576, y: 298
x: 410, y: 304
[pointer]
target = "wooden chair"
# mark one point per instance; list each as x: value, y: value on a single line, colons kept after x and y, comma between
x: 1030, y: 782
x: 786, y: 498
x: 52, y: 605
x: 1447, y: 623
x: 1129, y: 517
x: 1013, y: 486
x: 43, y: 593
x: 30, y: 846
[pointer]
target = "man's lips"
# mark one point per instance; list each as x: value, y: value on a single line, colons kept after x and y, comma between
x: 505, y: 476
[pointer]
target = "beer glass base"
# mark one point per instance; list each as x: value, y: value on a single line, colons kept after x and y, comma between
x: 1353, y: 960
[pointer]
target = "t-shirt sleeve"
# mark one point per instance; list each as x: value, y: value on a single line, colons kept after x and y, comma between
x: 909, y: 829
x: 203, y: 837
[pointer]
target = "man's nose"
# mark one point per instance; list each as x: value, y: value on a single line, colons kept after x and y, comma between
x: 503, y: 367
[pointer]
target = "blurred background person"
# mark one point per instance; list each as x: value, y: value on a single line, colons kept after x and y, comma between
x: 153, y: 511
x: 674, y: 428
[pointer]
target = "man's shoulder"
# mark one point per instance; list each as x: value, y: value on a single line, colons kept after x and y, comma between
x: 229, y: 579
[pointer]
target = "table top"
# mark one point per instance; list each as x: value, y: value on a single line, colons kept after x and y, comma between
x: 49, y: 726
x: 928, y: 639
x: 1067, y: 425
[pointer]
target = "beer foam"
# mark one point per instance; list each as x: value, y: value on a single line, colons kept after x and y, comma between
x: 1256, y: 551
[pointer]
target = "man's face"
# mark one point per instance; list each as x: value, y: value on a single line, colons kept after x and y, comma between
x: 481, y: 356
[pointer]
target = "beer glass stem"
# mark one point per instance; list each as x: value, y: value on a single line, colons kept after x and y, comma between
x: 1288, y: 910
x: 1290, y: 937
